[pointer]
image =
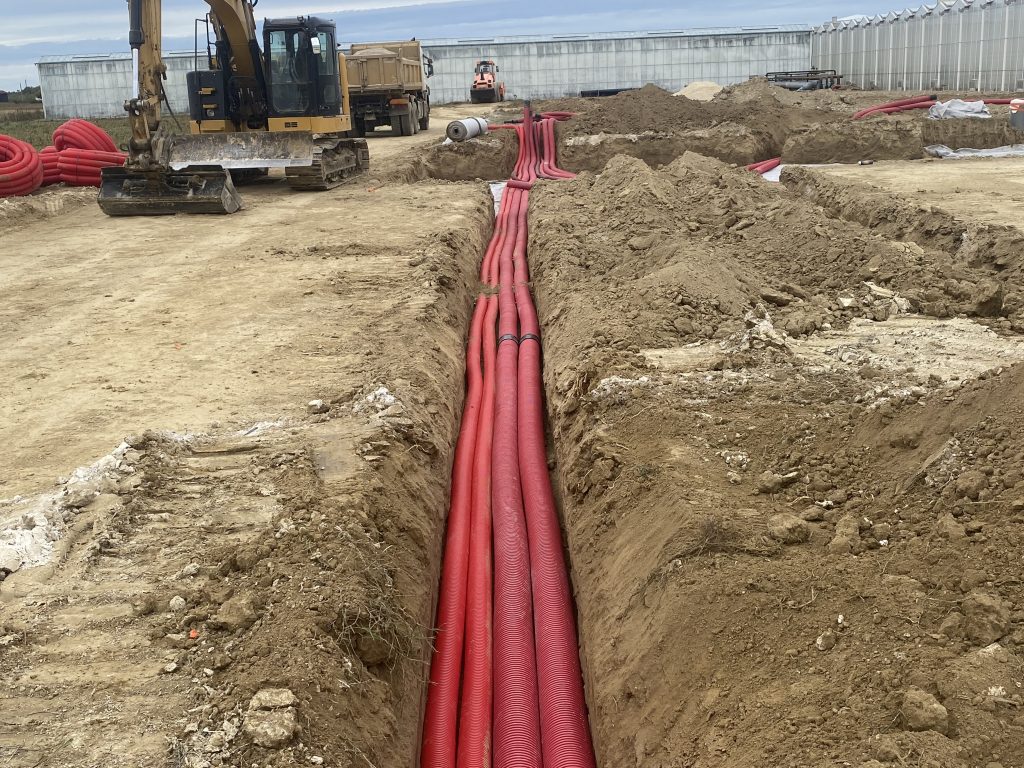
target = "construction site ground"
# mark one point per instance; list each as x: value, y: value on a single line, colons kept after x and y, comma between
x: 786, y: 431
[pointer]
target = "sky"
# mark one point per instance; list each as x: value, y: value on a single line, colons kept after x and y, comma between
x: 54, y: 27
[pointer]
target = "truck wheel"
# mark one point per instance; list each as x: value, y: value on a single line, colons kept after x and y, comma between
x: 402, y: 125
x: 425, y: 122
x: 358, y: 128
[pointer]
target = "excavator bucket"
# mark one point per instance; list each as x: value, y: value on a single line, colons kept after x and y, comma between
x: 256, y: 149
x: 158, y: 191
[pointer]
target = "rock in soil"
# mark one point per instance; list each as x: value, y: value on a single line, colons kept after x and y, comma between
x: 272, y: 729
x: 987, y: 618
x: 788, y: 529
x: 922, y: 712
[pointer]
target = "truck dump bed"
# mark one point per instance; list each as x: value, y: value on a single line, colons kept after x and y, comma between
x: 385, y: 67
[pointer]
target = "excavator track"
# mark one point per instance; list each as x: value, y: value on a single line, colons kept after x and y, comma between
x: 334, y: 162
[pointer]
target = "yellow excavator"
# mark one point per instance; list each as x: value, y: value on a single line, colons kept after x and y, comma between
x: 285, y: 106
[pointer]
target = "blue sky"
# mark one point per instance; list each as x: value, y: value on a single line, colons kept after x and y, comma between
x: 50, y: 27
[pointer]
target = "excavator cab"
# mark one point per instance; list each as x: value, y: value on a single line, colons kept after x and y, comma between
x: 302, y: 68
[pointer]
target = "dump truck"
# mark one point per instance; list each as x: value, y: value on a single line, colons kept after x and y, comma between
x: 388, y: 86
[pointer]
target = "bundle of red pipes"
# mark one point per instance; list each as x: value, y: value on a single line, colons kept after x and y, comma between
x: 80, y: 149
x: 889, y: 108
x: 513, y: 698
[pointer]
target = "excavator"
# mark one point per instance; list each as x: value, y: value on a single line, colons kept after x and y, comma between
x: 486, y: 88
x: 285, y: 106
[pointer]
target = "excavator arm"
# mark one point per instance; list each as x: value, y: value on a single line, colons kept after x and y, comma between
x: 146, y: 185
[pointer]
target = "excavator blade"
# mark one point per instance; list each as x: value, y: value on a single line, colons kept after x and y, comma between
x: 159, y: 191
x: 257, y: 149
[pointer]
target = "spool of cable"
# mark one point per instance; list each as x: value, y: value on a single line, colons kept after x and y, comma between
x: 460, y: 130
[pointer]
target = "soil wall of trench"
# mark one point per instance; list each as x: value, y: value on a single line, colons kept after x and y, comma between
x: 335, y: 600
x: 777, y: 558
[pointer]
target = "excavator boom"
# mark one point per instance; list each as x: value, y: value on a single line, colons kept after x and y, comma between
x: 146, y: 185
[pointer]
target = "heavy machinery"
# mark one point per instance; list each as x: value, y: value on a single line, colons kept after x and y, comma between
x: 285, y: 106
x: 486, y: 86
x: 388, y: 86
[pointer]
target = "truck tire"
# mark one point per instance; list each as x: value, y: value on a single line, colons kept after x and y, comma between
x: 358, y: 127
x: 425, y: 122
x: 402, y: 125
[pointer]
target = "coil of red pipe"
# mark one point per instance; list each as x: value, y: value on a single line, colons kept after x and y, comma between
x: 51, y: 173
x: 81, y: 134
x: 21, y: 167
x: 81, y: 167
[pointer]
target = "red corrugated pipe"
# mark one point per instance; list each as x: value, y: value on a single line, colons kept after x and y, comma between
x: 474, y: 749
x: 81, y: 167
x: 51, y: 173
x: 81, y: 134
x: 441, y: 718
x: 21, y: 167
x: 519, y: 599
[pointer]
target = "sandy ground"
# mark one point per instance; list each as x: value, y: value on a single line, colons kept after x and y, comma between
x: 985, y: 190
x: 116, y: 325
x: 201, y: 340
x: 786, y: 432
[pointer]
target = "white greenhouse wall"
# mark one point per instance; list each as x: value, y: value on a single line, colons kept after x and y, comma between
x: 550, y: 67
x: 962, y: 45
x: 97, y: 86
x: 531, y: 67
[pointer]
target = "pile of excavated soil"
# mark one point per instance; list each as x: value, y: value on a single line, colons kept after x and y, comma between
x: 43, y: 204
x: 740, y: 125
x: 488, y: 157
x: 793, y: 510
x: 754, y: 121
x: 700, y: 90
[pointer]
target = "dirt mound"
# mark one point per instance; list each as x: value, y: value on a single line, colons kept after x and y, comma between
x: 849, y: 142
x: 16, y: 211
x: 700, y: 90
x: 485, y: 158
x: 758, y: 91
x: 648, y: 109
x: 774, y: 499
x: 697, y: 205
x: 742, y: 124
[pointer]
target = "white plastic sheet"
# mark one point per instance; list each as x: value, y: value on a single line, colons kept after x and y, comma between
x: 941, y: 150
x: 958, y: 109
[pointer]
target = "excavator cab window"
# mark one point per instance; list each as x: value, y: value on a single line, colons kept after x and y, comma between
x: 290, y: 78
x: 327, y: 72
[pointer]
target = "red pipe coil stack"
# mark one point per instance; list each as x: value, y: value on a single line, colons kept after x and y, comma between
x: 80, y: 149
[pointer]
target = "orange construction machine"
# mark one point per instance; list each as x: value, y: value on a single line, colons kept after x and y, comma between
x: 486, y: 87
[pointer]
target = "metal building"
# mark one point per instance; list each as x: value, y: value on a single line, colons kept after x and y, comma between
x: 563, y: 65
x: 964, y: 45
x: 97, y: 85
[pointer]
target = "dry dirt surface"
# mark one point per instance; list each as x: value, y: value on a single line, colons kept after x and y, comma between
x: 261, y: 409
x: 785, y: 421
x: 789, y: 455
